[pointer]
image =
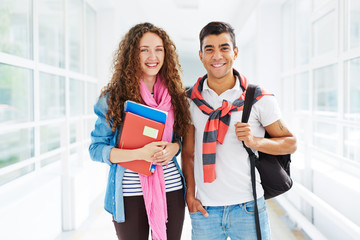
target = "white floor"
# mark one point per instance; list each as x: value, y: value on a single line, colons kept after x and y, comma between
x: 99, y: 226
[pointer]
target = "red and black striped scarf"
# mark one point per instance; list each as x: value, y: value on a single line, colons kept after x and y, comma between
x: 218, y: 122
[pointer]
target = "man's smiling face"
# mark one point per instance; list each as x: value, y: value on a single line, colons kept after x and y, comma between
x: 218, y: 55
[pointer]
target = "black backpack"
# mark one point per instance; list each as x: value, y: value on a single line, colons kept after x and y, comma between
x: 274, y: 170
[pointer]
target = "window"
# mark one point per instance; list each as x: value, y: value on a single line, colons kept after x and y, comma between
x: 325, y: 34
x: 52, y: 96
x: 75, y: 37
x: 73, y: 132
x: 352, y: 143
x: 16, y: 146
x: 91, y: 41
x: 322, y: 95
x: 354, y: 24
x: 302, y: 96
x: 325, y: 89
x: 16, y: 94
x: 76, y: 97
x: 15, y: 27
x: 49, y: 137
x: 325, y: 136
x: 40, y: 77
x: 352, y: 98
x: 49, y: 160
x: 51, y: 32
x: 7, y: 177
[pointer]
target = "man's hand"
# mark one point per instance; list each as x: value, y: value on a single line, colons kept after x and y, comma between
x: 282, y: 141
x: 243, y: 133
x: 195, y: 205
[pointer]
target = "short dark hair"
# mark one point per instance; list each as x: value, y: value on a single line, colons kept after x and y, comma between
x: 216, y: 28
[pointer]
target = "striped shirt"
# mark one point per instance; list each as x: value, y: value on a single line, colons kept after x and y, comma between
x: 131, y: 181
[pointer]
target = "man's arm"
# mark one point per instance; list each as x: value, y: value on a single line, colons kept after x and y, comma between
x: 187, y: 164
x: 282, y: 141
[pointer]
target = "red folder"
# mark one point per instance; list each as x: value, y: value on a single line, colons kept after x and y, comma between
x: 137, y: 131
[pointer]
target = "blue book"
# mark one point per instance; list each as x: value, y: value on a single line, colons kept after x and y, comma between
x: 145, y: 111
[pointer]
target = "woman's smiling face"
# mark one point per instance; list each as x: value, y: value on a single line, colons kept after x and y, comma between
x: 152, y: 54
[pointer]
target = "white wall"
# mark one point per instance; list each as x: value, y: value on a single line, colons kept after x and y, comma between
x: 259, y: 45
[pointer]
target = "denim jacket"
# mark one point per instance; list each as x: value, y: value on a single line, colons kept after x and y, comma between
x: 102, y: 141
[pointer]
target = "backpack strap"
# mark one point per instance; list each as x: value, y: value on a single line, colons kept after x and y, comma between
x: 249, y: 99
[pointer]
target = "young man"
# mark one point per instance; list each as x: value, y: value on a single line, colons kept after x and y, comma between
x: 214, y: 161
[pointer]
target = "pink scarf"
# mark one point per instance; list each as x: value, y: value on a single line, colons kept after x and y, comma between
x: 153, y: 187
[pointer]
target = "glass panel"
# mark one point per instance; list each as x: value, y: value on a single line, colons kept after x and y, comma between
x: 288, y: 39
x: 51, y: 32
x: 352, y: 143
x: 76, y: 97
x: 324, y: 32
x: 76, y: 130
x: 325, y: 89
x: 75, y: 26
x: 72, y: 132
x: 5, y: 178
x: 301, y: 90
x: 90, y: 41
x: 52, y: 96
x: 50, y: 160
x: 92, y: 97
x: 325, y: 136
x: 15, y: 27
x: 354, y: 23
x: 353, y: 97
x: 49, y: 138
x: 16, y: 146
x: 73, y: 150
x: 302, y: 30
x: 16, y: 94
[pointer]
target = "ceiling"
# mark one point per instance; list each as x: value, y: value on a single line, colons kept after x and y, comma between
x: 182, y: 19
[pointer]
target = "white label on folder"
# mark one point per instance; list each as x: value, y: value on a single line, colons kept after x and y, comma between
x: 150, y: 132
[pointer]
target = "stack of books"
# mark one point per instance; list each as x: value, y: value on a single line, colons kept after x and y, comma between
x: 142, y: 125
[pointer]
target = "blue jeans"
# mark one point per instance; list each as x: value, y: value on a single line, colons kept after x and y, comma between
x: 235, y: 221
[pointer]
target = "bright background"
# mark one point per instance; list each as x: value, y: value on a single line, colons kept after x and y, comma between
x: 55, y: 56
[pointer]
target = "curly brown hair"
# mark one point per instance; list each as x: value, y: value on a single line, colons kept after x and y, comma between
x: 124, y: 84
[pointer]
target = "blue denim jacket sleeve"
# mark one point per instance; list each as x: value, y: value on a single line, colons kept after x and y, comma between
x: 102, y: 138
x: 179, y: 140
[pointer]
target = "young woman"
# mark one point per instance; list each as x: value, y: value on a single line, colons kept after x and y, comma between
x: 146, y: 70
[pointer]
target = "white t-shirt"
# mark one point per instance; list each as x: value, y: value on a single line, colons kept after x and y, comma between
x: 233, y: 180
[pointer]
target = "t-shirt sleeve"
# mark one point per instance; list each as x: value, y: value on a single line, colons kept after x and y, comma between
x: 268, y: 110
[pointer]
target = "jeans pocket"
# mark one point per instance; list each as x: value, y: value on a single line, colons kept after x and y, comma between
x: 195, y: 215
x: 249, y: 207
x: 198, y: 213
